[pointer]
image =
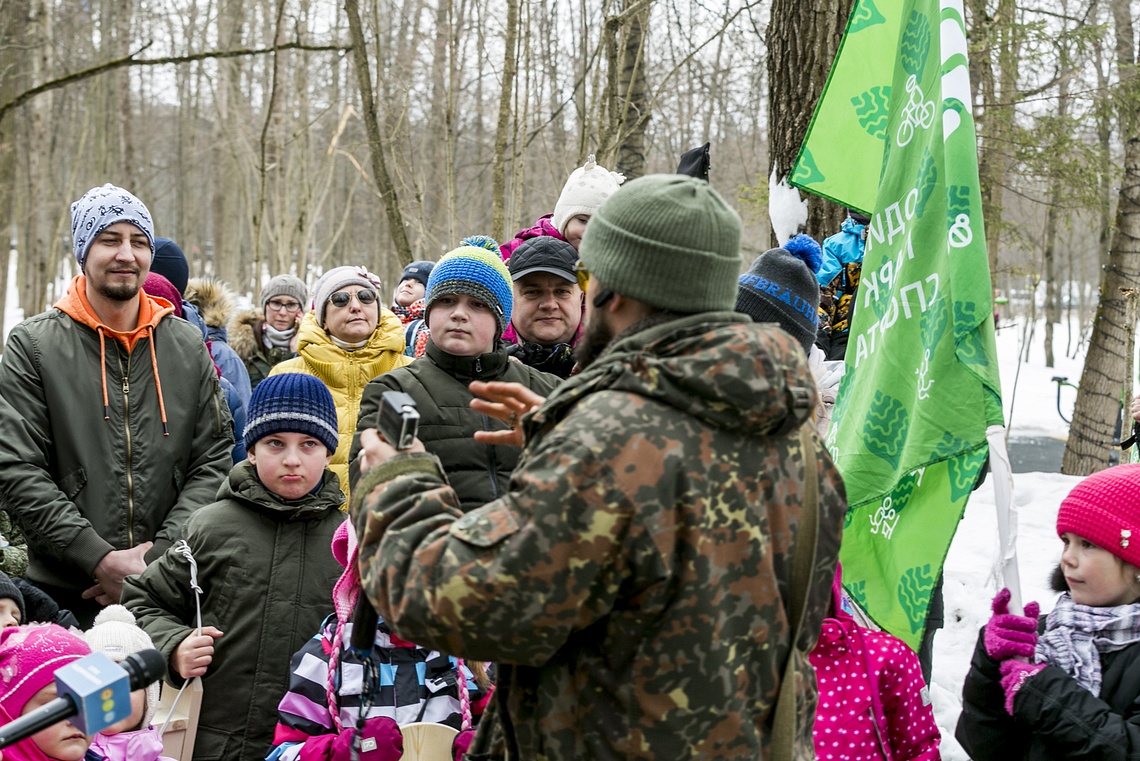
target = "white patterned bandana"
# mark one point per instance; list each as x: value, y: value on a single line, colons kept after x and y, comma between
x: 1076, y: 636
x: 101, y: 207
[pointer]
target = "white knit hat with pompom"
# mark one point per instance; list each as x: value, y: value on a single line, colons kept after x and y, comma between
x: 117, y: 635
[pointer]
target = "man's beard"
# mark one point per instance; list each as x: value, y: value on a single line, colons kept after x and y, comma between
x: 118, y: 291
x: 596, y: 336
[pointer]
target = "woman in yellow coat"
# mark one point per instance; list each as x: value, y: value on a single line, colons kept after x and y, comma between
x: 347, y: 340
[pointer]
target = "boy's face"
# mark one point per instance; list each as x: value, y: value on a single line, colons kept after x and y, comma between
x: 462, y: 325
x: 9, y: 613
x: 289, y: 464
x: 409, y: 291
x: 61, y: 741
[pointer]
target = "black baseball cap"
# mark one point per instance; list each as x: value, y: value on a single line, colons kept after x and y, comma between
x: 544, y: 253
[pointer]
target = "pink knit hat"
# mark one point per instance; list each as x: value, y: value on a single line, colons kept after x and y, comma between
x: 1105, y: 509
x: 29, y: 658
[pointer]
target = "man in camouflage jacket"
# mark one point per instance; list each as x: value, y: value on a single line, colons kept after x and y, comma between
x: 632, y: 586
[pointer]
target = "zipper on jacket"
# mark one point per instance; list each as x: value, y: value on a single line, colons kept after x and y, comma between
x: 127, y: 429
x: 218, y: 407
x: 492, y: 461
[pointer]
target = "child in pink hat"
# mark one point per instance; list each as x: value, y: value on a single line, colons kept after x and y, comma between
x: 1071, y: 690
x: 29, y: 658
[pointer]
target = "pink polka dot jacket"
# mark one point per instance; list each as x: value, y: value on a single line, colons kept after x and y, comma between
x: 873, y: 703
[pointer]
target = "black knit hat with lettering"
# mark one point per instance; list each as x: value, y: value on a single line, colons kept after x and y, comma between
x: 292, y: 403
x: 781, y: 287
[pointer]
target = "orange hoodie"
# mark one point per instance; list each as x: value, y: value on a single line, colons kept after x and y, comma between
x: 151, y: 311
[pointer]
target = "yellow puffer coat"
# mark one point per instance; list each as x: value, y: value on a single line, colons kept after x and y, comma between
x: 346, y: 372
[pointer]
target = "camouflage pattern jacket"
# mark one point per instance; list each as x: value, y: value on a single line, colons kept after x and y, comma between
x: 632, y: 584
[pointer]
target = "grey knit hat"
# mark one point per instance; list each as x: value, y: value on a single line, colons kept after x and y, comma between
x: 781, y: 287
x: 101, y: 207
x: 668, y: 241
x: 284, y: 285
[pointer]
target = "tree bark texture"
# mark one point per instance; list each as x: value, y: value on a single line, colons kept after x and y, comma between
x: 802, y: 39
x: 1104, y: 381
x: 381, y: 177
x: 503, y: 125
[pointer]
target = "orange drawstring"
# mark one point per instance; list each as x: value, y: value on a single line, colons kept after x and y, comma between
x: 157, y: 381
x: 103, y: 367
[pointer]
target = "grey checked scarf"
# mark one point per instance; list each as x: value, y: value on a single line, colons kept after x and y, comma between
x: 1076, y: 636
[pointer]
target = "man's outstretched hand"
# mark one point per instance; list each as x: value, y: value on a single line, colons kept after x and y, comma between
x: 507, y: 402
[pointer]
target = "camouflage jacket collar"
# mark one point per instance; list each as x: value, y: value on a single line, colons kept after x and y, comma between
x: 717, y: 366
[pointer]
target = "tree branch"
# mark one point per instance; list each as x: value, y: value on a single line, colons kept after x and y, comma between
x: 131, y: 60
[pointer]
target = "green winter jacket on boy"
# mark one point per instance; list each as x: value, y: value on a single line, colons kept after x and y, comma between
x: 267, y: 575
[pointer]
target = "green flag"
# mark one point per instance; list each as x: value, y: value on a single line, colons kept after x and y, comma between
x: 922, y: 380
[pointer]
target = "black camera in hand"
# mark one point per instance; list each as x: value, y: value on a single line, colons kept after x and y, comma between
x: 399, y: 421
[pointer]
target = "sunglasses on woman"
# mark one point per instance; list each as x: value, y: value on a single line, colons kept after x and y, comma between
x: 342, y: 299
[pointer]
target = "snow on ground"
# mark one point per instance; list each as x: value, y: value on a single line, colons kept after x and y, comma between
x: 1030, y: 410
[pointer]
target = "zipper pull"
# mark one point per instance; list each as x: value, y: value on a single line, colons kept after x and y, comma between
x: 126, y: 385
x: 478, y: 365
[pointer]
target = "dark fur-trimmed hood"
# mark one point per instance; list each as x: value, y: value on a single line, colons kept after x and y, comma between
x: 245, y: 333
x: 213, y: 299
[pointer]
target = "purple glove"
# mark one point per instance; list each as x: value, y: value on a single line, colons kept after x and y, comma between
x: 1009, y: 635
x: 381, y: 740
x: 1013, y: 675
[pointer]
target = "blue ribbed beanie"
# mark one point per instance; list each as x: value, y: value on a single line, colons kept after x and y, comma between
x: 477, y: 271
x: 101, y: 207
x: 292, y: 403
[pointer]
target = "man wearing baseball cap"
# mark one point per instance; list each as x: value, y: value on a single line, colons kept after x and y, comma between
x: 548, y: 304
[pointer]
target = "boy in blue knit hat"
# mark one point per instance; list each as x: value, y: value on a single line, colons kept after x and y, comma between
x: 467, y: 308
x: 259, y: 564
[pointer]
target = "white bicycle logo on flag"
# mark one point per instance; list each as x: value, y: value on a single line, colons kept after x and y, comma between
x: 916, y: 113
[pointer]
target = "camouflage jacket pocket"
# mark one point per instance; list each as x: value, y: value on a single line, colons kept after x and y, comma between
x: 485, y: 527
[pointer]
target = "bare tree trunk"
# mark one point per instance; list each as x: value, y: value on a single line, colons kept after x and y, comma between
x: 36, y: 250
x: 634, y: 111
x: 388, y: 197
x: 802, y: 40
x: 1099, y: 397
x: 503, y: 126
x: 1056, y: 197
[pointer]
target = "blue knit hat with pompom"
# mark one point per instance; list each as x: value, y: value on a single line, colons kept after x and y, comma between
x: 475, y: 268
x: 292, y: 403
x: 781, y: 287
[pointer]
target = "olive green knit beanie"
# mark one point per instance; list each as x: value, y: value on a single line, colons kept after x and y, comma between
x: 668, y: 241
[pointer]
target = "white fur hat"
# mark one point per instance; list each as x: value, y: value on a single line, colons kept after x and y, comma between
x: 584, y: 192
x: 116, y: 635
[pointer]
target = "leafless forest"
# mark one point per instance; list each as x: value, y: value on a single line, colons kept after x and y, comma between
x: 293, y: 135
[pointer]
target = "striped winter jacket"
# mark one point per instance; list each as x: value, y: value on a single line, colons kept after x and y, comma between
x: 415, y: 684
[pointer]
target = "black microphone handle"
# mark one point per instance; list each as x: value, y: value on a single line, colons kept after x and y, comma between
x: 144, y: 668
x: 364, y: 622
x: 43, y: 717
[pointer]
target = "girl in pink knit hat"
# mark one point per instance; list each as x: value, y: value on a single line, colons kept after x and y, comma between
x: 29, y: 658
x: 1069, y: 689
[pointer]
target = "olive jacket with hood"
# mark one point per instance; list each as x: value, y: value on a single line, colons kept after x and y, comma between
x: 266, y: 574
x: 438, y: 383
x: 632, y: 585
x: 107, y: 440
x: 346, y: 373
